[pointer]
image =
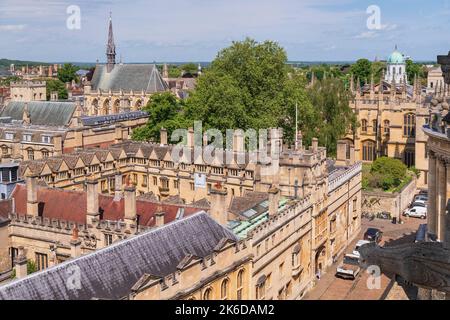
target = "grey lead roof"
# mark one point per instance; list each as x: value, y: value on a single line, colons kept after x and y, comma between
x: 110, y: 273
x: 136, y: 77
x: 48, y: 113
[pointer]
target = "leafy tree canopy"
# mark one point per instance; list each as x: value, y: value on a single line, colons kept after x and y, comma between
x: 58, y: 86
x: 164, y: 112
x: 67, y: 73
x: 362, y: 70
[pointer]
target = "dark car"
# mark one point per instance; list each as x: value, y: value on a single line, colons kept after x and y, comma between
x: 373, y: 235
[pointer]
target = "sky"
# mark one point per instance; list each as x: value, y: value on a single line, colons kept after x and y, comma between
x: 195, y: 30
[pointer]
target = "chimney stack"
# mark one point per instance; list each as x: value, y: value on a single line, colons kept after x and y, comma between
x: 238, y: 141
x: 117, y: 186
x: 218, y: 210
x: 163, y: 136
x: 352, y: 155
x: 32, y: 201
x: 159, y: 217
x: 130, y: 204
x: 92, y: 200
x: 190, y: 138
x: 75, y: 243
x: 315, y: 144
x: 20, y: 264
x: 341, y: 154
x: 274, y: 200
x: 58, y: 145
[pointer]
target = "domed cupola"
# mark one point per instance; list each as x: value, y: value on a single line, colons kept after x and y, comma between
x: 396, y: 67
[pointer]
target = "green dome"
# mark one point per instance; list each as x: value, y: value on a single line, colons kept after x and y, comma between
x: 396, y: 57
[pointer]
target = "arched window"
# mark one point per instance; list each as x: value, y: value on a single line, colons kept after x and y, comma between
x: 386, y: 126
x: 224, y: 289
x: 208, y: 294
x: 240, y: 284
x: 374, y: 126
x: 369, y: 151
x: 30, y: 154
x: 409, y: 125
x: 364, y: 125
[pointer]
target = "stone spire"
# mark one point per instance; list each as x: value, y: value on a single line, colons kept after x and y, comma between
x: 26, y: 118
x: 110, y: 48
x: 352, y: 84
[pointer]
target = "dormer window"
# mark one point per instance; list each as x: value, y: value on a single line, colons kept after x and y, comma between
x: 9, y: 136
x: 46, y: 139
x: 27, y: 137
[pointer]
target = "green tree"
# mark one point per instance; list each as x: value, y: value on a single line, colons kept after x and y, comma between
x: 58, y: 86
x: 67, y: 73
x: 249, y: 85
x: 362, y: 70
x: 414, y: 69
x: 165, y: 111
x: 333, y: 117
x: 189, y: 68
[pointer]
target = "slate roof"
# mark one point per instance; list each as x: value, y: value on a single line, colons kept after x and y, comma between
x: 48, y: 113
x: 136, y: 77
x: 110, y: 273
x: 75, y: 208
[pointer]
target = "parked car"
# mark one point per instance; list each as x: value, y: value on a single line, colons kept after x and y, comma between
x: 373, y: 235
x: 416, y: 212
x: 349, y: 268
x: 359, y: 244
x: 421, y: 197
x: 418, y: 203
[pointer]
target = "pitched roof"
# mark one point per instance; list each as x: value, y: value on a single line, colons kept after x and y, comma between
x: 110, y: 273
x: 75, y: 206
x: 49, y: 113
x: 127, y: 77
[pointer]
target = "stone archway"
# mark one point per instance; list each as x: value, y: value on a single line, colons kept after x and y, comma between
x: 320, y: 260
x: 116, y: 106
x: 94, y: 107
x: 138, y: 105
x: 105, y: 108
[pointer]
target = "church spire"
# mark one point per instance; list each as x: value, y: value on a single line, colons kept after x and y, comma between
x: 111, y: 47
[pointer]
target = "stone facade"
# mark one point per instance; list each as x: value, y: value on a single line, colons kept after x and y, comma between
x: 394, y: 203
x: 28, y: 91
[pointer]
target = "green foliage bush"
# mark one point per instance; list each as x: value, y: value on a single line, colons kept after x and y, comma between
x: 386, y: 174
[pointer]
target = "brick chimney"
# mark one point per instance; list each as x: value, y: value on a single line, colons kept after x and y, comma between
x: 20, y: 264
x: 274, y: 200
x: 219, y: 208
x: 58, y: 145
x: 341, y: 154
x: 32, y: 201
x: 159, y: 217
x: 117, y: 186
x: 163, y: 136
x: 130, y: 204
x: 92, y: 200
x: 238, y: 141
x: 315, y: 144
x: 75, y: 243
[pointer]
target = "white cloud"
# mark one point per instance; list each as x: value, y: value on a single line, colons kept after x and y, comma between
x: 367, y: 35
x: 12, y: 27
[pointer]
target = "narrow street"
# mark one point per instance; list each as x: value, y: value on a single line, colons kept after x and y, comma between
x: 330, y: 287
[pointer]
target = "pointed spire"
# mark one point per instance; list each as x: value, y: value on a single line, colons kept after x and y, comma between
x: 372, y: 83
x: 111, y: 47
x: 165, y: 74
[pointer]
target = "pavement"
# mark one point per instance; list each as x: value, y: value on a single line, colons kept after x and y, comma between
x: 330, y: 287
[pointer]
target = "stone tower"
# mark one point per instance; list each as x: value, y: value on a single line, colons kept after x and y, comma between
x: 110, y: 48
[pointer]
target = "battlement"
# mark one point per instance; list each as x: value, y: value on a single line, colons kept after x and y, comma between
x: 290, y: 211
x: 342, y: 176
x: 28, y: 84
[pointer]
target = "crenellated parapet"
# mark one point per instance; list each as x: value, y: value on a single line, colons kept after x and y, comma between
x: 335, y: 181
x: 292, y: 210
